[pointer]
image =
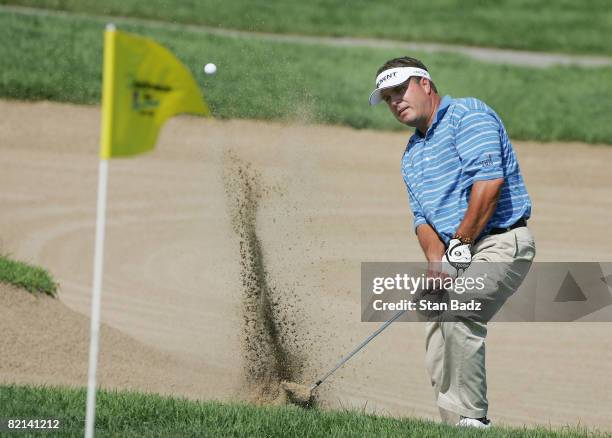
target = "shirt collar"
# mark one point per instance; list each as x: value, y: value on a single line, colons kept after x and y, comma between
x: 442, y: 107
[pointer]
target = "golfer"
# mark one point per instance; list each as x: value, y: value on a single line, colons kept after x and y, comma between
x: 470, y: 204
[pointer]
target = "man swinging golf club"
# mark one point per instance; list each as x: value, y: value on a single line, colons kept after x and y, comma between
x: 470, y: 204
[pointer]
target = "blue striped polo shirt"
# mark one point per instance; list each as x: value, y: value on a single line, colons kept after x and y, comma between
x: 466, y: 142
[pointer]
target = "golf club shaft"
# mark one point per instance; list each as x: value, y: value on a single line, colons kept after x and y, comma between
x: 359, y: 347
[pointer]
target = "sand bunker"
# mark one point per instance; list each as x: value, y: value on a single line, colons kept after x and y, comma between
x: 172, y: 278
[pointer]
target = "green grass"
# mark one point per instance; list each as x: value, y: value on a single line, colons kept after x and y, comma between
x: 25, y: 276
x: 131, y: 414
x: 59, y: 58
x: 545, y: 25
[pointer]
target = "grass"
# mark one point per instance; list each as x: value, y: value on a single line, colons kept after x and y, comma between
x: 544, y: 25
x: 131, y: 414
x: 59, y: 58
x: 25, y: 276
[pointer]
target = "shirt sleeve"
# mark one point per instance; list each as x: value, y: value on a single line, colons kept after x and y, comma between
x: 478, y: 144
x: 419, y: 217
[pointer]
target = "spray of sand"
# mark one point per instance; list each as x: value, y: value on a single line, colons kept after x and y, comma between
x: 273, y: 348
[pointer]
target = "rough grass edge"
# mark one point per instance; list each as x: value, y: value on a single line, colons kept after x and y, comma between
x: 23, y: 275
x: 123, y: 411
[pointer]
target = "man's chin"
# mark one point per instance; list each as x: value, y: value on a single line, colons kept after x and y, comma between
x: 403, y: 118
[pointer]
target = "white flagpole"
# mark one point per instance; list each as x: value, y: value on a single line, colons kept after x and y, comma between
x: 96, y: 299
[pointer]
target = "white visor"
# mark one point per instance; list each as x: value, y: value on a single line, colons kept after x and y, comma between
x: 392, y: 77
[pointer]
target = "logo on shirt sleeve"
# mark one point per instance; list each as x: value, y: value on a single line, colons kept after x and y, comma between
x: 487, y: 163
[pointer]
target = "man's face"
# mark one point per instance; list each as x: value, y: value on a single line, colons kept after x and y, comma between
x: 409, y: 102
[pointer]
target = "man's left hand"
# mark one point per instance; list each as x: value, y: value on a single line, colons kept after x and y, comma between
x: 458, y: 255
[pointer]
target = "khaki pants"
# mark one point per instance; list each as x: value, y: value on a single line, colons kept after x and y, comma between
x: 455, y: 351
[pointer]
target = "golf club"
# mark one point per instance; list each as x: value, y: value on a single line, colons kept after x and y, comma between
x: 301, y: 394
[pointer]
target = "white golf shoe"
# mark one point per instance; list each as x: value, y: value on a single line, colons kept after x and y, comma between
x: 479, y: 423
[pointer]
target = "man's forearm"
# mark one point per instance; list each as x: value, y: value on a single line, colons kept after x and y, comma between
x: 432, y: 246
x: 482, y: 205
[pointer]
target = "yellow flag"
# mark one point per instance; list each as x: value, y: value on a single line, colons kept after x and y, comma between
x: 143, y: 85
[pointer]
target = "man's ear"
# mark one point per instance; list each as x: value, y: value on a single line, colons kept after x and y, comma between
x: 426, y: 84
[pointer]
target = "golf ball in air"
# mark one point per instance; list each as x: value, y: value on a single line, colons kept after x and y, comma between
x: 210, y: 68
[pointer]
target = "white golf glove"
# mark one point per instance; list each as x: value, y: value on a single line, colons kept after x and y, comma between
x: 458, y: 255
